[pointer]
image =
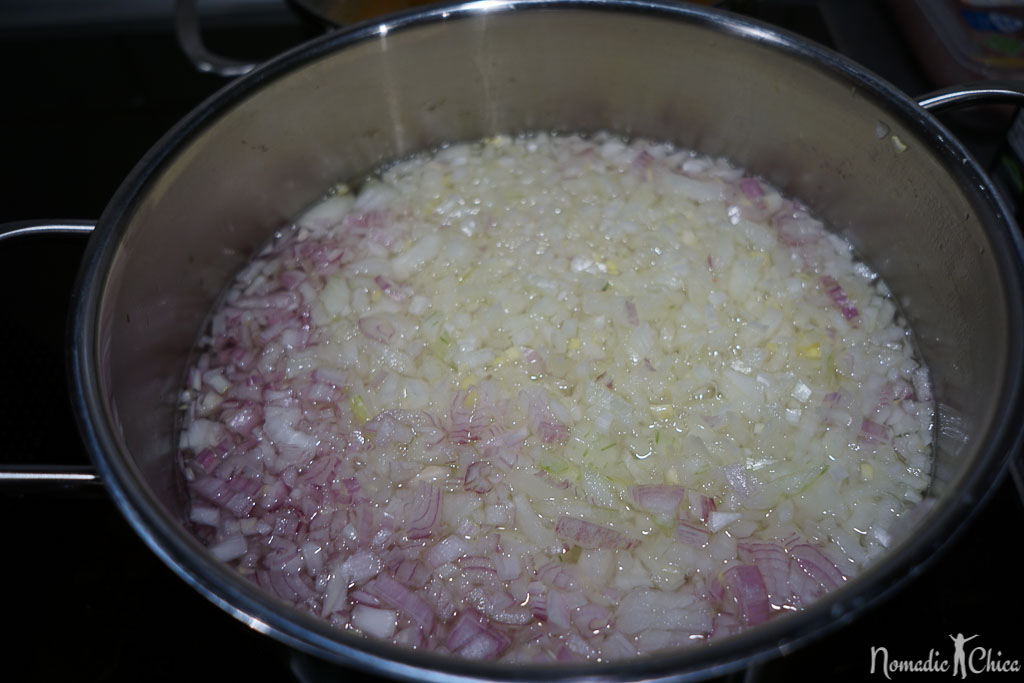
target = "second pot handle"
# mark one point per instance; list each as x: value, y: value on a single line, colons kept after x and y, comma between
x: 979, y: 93
x: 186, y: 20
x: 45, y: 475
x: 982, y: 93
x: 22, y: 229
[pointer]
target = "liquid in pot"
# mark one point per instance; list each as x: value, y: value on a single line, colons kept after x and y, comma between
x: 554, y: 398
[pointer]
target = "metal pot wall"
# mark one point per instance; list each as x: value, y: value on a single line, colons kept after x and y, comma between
x: 877, y: 167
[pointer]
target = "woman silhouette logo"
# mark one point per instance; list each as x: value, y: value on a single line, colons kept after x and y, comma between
x: 959, y: 659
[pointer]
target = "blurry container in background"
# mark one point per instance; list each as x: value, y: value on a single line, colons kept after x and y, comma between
x: 964, y: 40
x: 957, y: 41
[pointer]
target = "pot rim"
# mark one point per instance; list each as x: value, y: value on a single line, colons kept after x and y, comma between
x: 188, y: 558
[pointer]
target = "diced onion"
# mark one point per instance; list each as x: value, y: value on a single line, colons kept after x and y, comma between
x: 554, y: 398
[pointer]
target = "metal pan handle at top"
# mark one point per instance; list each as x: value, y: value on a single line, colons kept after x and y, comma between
x: 321, y: 15
x: 186, y: 18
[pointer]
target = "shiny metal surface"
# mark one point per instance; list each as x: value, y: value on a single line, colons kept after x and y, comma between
x: 975, y: 94
x: 336, y: 13
x: 190, y: 38
x: 41, y: 474
x: 17, y: 473
x: 22, y: 229
x: 878, y: 168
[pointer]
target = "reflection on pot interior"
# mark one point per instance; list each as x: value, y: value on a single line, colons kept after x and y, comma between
x: 554, y: 398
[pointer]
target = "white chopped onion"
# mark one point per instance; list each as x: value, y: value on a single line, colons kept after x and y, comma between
x: 380, y: 623
x: 549, y: 398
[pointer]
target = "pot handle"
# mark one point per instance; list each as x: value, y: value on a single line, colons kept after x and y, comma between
x: 186, y: 21
x: 63, y: 476
x: 22, y: 229
x: 982, y: 93
x: 974, y: 94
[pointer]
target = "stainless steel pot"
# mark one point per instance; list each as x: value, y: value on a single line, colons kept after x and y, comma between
x: 876, y: 166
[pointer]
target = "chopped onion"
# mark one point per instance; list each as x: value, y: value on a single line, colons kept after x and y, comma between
x: 589, y: 535
x: 380, y: 623
x: 554, y: 398
x: 745, y: 585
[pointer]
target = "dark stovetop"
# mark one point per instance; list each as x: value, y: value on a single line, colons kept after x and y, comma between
x: 84, y: 97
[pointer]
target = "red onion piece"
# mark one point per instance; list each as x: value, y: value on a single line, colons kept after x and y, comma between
x: 558, y: 575
x: 559, y: 611
x: 774, y: 564
x: 412, y: 573
x: 692, y: 535
x: 335, y: 378
x: 425, y: 511
x: 467, y: 423
x: 872, y: 431
x: 833, y: 399
x: 795, y: 227
x: 392, y: 290
x: 744, y: 585
x: 814, y: 563
x: 701, y: 506
x: 589, y: 535
x: 213, y: 489
x: 592, y: 617
x: 447, y: 550
x: 707, y: 506
x: 409, y: 604
x: 552, y: 480
x: 751, y: 188
x: 282, y: 300
x: 662, y: 499
x: 838, y: 295
x: 538, y: 601
x: 363, y: 597
x: 239, y: 505
x: 206, y: 459
x: 547, y: 425
x: 643, y: 160
x: 476, y: 479
x: 290, y: 279
x: 476, y: 562
x: 473, y: 638
x: 360, y: 566
x: 377, y: 328
x: 503, y: 447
